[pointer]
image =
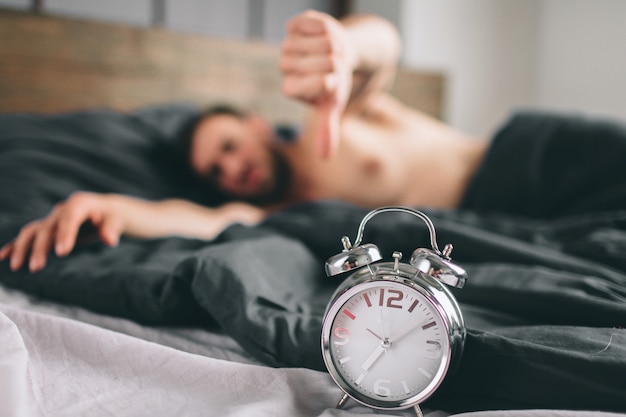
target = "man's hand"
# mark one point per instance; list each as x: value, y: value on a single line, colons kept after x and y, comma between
x: 60, y: 228
x: 317, y: 63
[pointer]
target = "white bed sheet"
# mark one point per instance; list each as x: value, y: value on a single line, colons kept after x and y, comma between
x: 58, y: 366
x: 52, y: 366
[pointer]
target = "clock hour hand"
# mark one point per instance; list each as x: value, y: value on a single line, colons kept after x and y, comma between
x: 373, y: 357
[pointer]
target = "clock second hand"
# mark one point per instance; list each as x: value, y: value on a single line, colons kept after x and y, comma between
x: 383, y: 321
x: 404, y: 332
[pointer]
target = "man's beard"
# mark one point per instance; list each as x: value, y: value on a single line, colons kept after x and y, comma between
x: 282, y: 181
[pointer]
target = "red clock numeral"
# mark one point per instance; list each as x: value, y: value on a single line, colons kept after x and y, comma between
x: 343, y: 335
x: 392, y: 300
x: 349, y: 314
x: 367, y: 300
x: 397, y: 298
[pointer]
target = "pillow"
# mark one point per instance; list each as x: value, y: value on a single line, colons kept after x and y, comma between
x: 45, y: 158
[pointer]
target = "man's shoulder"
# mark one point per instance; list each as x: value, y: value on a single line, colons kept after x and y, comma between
x: 381, y: 107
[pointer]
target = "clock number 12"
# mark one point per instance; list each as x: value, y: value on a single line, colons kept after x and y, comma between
x: 393, y: 299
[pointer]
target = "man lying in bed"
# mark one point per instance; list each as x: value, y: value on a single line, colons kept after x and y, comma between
x: 357, y: 144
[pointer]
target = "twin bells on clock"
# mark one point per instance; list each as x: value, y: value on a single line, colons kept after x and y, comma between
x: 393, y: 330
x: 431, y: 261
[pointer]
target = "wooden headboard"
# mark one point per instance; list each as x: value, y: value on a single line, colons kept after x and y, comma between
x: 50, y: 64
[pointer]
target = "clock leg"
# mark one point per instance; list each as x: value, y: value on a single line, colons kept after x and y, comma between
x: 342, y: 401
x: 418, y: 411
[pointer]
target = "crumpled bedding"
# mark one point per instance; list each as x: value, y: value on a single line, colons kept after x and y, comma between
x: 544, y: 303
x: 54, y: 366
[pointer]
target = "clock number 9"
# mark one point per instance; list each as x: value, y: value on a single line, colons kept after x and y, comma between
x: 343, y: 334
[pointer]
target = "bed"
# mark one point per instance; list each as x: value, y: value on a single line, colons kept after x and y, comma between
x: 231, y: 327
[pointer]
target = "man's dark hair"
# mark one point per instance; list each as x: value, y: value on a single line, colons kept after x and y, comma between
x: 211, y: 195
x: 188, y: 129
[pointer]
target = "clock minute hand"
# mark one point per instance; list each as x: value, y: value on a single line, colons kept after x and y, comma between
x: 405, y: 331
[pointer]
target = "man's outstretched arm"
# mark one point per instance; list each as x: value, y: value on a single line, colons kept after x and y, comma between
x: 114, y: 215
x: 336, y: 65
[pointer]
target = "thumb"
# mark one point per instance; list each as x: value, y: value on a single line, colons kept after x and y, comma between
x: 328, y: 131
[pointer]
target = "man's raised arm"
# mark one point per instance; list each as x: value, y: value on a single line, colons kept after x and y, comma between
x: 378, y: 47
x: 335, y: 65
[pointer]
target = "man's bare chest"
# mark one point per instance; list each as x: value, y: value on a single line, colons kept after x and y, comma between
x: 369, y: 167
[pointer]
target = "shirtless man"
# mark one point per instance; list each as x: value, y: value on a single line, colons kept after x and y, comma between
x: 357, y: 144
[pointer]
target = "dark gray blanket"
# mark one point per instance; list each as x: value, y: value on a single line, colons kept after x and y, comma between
x: 544, y: 304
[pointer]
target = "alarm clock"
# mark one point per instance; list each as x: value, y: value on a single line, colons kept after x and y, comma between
x: 392, y: 330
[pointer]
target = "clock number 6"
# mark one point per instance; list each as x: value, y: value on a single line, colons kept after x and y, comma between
x: 343, y: 334
x: 381, y: 388
x: 398, y: 295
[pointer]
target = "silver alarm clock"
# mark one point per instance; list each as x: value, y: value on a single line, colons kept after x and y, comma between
x: 392, y: 330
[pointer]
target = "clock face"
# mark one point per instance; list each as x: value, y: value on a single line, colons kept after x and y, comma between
x: 387, y: 345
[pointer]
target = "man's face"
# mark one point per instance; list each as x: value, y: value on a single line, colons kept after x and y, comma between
x: 235, y: 155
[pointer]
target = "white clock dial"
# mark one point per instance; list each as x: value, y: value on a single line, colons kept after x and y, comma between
x: 388, y: 343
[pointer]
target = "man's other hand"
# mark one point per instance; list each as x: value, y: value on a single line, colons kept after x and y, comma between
x: 60, y: 230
